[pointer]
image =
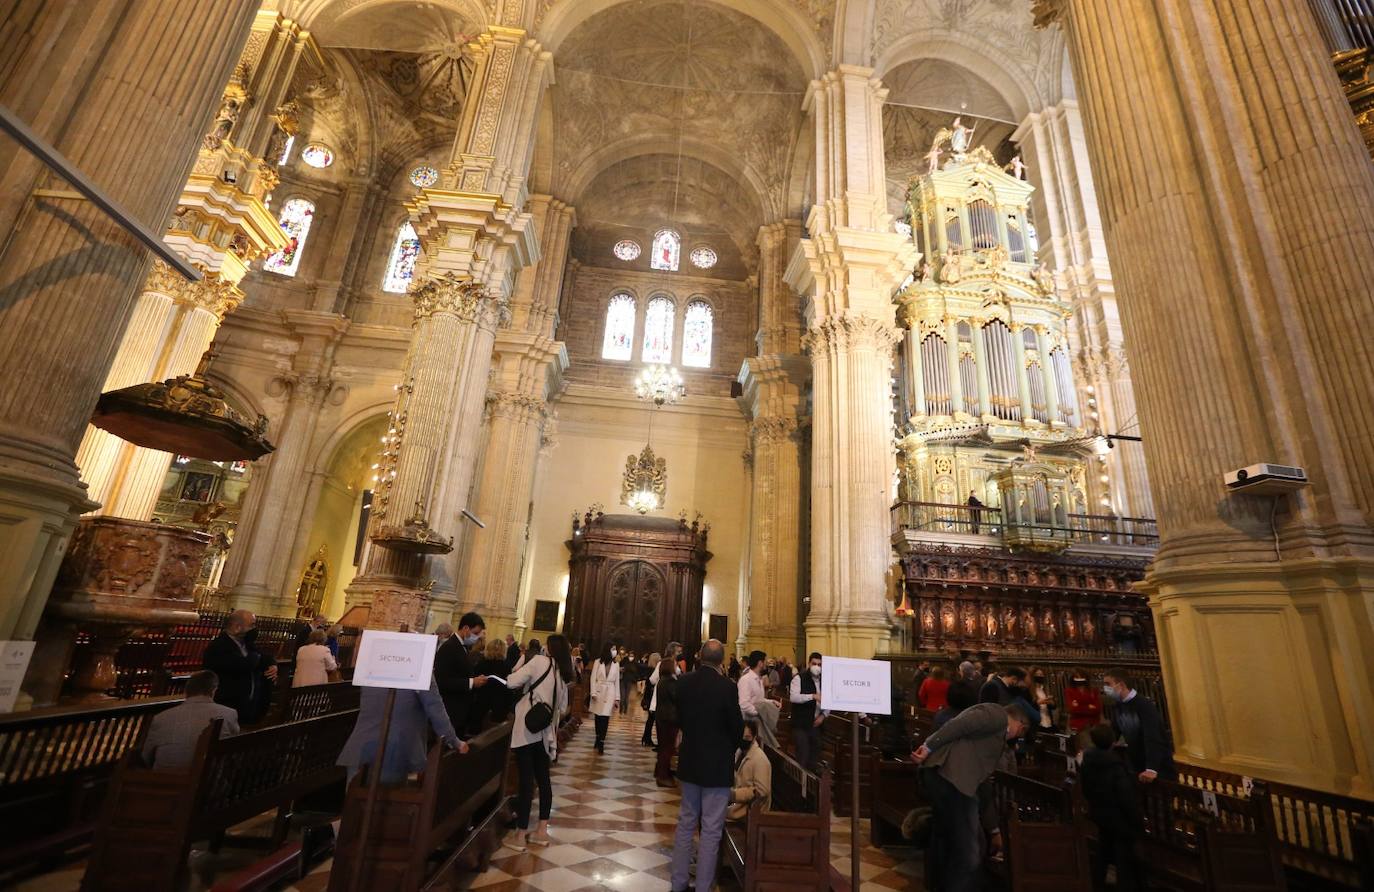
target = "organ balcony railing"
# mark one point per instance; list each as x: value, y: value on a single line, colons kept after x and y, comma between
x: 1054, y: 532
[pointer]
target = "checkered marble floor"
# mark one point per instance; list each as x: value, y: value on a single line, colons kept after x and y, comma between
x: 612, y: 828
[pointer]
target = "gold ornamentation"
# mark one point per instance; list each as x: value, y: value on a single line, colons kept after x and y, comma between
x: 468, y: 300
x: 645, y: 479
x: 415, y: 535
x: 211, y: 292
x: 313, y: 585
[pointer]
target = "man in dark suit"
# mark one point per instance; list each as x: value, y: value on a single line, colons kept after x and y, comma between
x: 512, y: 654
x: 712, y: 727
x: 1004, y: 686
x: 454, y: 670
x: 245, y: 673
x: 1138, y: 722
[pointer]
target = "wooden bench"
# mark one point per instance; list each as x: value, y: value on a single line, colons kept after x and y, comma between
x: 1210, y: 841
x: 896, y: 787
x: 55, y: 766
x: 420, y: 830
x: 316, y: 700
x: 837, y: 739
x: 151, y: 817
x: 1044, y: 834
x: 785, y: 848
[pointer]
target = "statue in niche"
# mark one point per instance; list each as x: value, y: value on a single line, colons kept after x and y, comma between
x: 970, y: 621
x: 989, y: 622
x: 951, y: 268
x: 1009, y: 621
x: 1017, y: 167
x: 947, y: 620
x: 1088, y: 626
x: 1070, y: 627
x: 927, y: 619
x: 1028, y: 623
x: 1047, y: 623
x: 310, y: 592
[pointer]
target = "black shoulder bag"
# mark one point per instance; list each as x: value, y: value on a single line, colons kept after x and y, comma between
x: 540, y: 715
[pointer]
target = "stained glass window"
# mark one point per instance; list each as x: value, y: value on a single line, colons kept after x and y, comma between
x: 696, y: 334
x: 703, y: 257
x: 286, y: 149
x: 296, y: 216
x: 620, y: 328
x: 626, y: 249
x: 317, y: 155
x: 667, y: 246
x: 658, y: 331
x: 424, y: 176
x: 401, y: 266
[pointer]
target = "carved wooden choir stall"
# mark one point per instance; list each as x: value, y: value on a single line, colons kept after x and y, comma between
x: 636, y: 581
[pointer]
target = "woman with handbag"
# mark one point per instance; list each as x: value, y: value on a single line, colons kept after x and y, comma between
x: 605, y: 693
x: 542, y: 684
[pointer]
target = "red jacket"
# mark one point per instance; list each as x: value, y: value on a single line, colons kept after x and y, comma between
x: 932, y: 694
x: 1084, y: 705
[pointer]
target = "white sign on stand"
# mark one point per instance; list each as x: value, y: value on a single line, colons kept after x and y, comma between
x: 402, y: 660
x: 14, y: 662
x: 849, y: 685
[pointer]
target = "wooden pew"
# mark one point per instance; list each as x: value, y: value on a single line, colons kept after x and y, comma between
x: 151, y: 817
x: 896, y: 787
x: 785, y: 848
x: 316, y: 700
x: 837, y: 739
x: 1043, y: 829
x: 1317, y: 831
x: 1210, y: 841
x: 55, y: 766
x: 420, y: 829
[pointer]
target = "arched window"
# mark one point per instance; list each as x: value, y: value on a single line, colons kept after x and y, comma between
x: 401, y: 266
x: 296, y: 216
x: 696, y: 334
x: 620, y: 328
x: 667, y: 247
x: 658, y: 330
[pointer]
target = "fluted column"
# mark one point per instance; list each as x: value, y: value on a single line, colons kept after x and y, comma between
x: 846, y: 272
x: 93, y: 79
x: 1072, y: 242
x: 1238, y: 203
x: 915, y: 383
x: 772, y: 390
x: 257, y: 570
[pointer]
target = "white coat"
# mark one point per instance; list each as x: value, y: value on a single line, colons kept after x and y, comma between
x: 605, y: 688
x: 552, y: 686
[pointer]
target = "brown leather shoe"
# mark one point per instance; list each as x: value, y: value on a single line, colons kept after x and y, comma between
x: 665, y: 782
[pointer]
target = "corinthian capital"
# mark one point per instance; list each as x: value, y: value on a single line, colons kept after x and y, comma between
x: 771, y: 428
x: 453, y: 295
x: 1046, y: 12
x: 210, y: 293
x: 848, y: 333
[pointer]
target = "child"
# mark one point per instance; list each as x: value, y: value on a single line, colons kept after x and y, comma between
x: 1114, y: 805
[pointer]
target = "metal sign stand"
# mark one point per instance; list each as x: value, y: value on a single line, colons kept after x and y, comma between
x: 374, y: 780
x: 854, y: 802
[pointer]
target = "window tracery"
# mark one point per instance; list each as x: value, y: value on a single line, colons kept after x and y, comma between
x: 400, y: 267
x: 618, y: 343
x: 667, y: 248
x: 658, y: 331
x: 296, y: 217
x: 697, y: 326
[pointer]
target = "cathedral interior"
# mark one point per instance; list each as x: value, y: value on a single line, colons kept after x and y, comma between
x: 899, y: 329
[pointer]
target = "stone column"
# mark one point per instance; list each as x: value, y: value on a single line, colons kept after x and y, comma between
x: 1237, y: 200
x: 773, y: 387
x: 92, y: 78
x: 1073, y: 244
x: 847, y: 272
x: 256, y: 572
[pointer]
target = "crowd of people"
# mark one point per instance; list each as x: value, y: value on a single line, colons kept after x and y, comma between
x: 709, y: 717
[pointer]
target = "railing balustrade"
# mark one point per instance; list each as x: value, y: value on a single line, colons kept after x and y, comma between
x: 1067, y: 529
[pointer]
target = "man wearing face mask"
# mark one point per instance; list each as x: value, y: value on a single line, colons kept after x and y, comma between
x: 957, y: 759
x: 753, y: 698
x: 245, y: 673
x: 807, y: 715
x: 454, y: 671
x: 1137, y: 721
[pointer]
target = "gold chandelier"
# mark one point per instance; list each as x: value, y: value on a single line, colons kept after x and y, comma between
x: 645, y: 482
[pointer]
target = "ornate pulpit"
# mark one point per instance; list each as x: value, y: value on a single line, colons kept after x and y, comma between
x: 636, y: 581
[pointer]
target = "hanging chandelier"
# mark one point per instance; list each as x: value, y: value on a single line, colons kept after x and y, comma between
x: 645, y: 482
x: 660, y: 384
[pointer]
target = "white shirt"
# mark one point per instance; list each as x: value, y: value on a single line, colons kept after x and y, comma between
x: 653, y: 680
x: 314, y: 662
x: 751, y: 693
x: 794, y: 693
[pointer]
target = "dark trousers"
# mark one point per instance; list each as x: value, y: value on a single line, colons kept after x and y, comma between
x: 807, y: 742
x: 533, y: 761
x: 649, y: 730
x: 956, y: 840
x: 624, y: 695
x: 667, y: 747
x: 602, y: 723
x: 1118, y: 845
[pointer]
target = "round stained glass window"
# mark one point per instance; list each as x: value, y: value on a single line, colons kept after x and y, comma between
x: 317, y: 155
x: 424, y: 176
x: 626, y: 249
x: 703, y: 257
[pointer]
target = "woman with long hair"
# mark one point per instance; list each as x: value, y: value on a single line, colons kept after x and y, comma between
x: 647, y: 703
x: 665, y: 716
x: 542, y: 680
x: 605, y: 693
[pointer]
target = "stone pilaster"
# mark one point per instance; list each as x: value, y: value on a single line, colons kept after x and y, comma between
x: 1072, y: 242
x: 256, y: 573
x: 1237, y: 202
x: 93, y: 79
x: 773, y: 386
x: 846, y: 273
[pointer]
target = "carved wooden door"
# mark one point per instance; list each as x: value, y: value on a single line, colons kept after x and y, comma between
x: 634, y: 595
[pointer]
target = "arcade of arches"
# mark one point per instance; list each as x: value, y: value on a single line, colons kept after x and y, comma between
x: 439, y: 241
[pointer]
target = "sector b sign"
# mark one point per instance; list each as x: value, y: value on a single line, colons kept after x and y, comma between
x: 849, y: 685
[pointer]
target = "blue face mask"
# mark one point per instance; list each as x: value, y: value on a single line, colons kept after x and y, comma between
x: 469, y: 640
x: 1110, y: 693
